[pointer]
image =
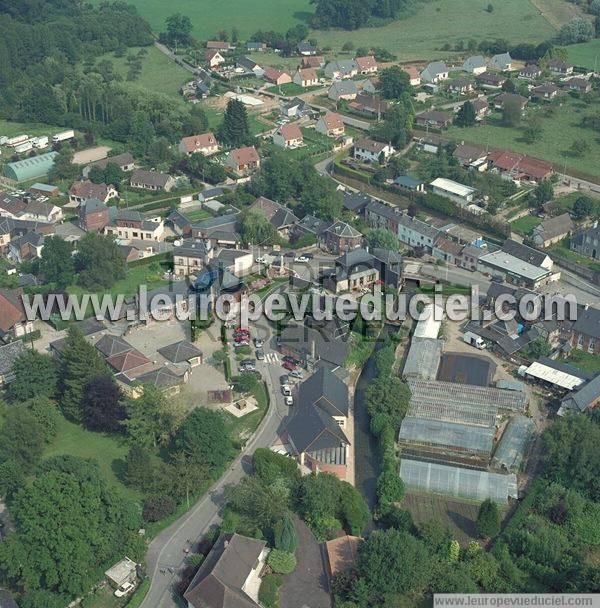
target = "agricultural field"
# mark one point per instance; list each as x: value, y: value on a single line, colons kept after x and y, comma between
x: 586, y: 54
x: 560, y: 130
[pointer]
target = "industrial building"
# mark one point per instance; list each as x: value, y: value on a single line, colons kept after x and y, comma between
x: 423, y: 359
x: 30, y: 168
x: 515, y: 270
x: 459, y: 193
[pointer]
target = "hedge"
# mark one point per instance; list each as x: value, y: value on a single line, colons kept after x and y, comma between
x: 268, y: 594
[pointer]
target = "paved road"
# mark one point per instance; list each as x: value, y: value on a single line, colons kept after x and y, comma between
x: 171, y: 55
x: 166, y: 551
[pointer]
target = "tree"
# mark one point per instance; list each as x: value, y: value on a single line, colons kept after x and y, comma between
x: 390, y: 489
x: 509, y: 86
x: 396, y: 128
x: 157, y: 508
x: 583, y: 207
x: 255, y: 229
x: 281, y: 562
x: 21, y: 438
x: 270, y: 466
x: 47, y: 599
x: 204, y: 437
x: 102, y: 407
x: 394, y: 82
x: 35, y: 376
x: 383, y: 238
x: 466, y: 115
x: 99, y: 261
x: 544, y: 192
x: 511, y: 113
x: 533, y: 130
x: 12, y: 478
x: 348, y: 46
x: 234, y: 130
x: 63, y: 168
x: 579, y: 29
x: 56, y: 262
x: 79, y: 362
x: 488, y: 519
x: 579, y: 148
x: 285, y: 536
x: 179, y: 29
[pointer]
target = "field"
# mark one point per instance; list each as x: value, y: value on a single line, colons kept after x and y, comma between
x: 525, y: 225
x: 586, y: 54
x: 559, y: 131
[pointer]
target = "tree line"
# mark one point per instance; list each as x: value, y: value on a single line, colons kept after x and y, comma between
x: 353, y: 14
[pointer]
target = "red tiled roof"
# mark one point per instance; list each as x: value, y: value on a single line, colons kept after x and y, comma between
x: 194, y: 143
x: 11, y: 309
x: 245, y: 156
x: 126, y: 361
x: 290, y: 132
x: 366, y: 63
x: 307, y: 74
x: 512, y: 161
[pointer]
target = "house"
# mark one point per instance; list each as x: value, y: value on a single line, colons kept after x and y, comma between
x: 585, y: 332
x: 506, y: 99
x: 306, y: 49
x: 26, y: 248
x: 38, y: 211
x: 366, y: 65
x: 435, y: 72
x: 13, y: 320
x: 583, y: 399
x: 406, y: 182
x: 313, y: 61
x: 447, y: 250
x: 279, y: 215
x: 415, y: 233
x: 580, y: 85
x: 481, y: 107
x: 371, y: 151
x: 295, y: 108
x: 306, y: 77
x: 545, y: 91
x: 330, y: 124
x: 205, y: 144
x: 128, y: 225
x: 213, y: 58
x: 243, y: 160
x: 253, y: 47
x: 353, y: 271
x: 124, y: 571
x: 84, y: 190
x: 288, y: 136
x: 124, y: 161
x: 219, y: 45
x: 310, y: 225
x: 277, y: 77
x: 431, y: 143
x: 433, y: 118
x: 182, y: 352
x: 151, y: 180
x: 344, y: 68
x: 520, y: 167
x: 235, y: 261
x: 249, y: 65
x: 190, y: 256
x: 413, y: 75
x: 530, y: 71
x: 229, y: 576
x: 461, y: 85
x: 474, y: 65
x: 490, y: 81
x: 341, y: 237
x: 14, y: 228
x: 343, y: 90
x: 9, y: 353
x: 356, y: 202
x: 552, y: 230
x: 459, y: 193
x: 528, y: 254
x: 48, y: 190
x: 369, y: 104
x: 93, y: 215
x: 587, y: 242
x: 501, y: 62
x: 558, y: 66
x: 220, y: 231
x: 467, y: 154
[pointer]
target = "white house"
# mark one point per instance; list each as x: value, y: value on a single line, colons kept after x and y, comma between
x: 306, y: 77
x: 474, y: 65
x: 288, y: 136
x: 370, y: 151
x: 435, y: 72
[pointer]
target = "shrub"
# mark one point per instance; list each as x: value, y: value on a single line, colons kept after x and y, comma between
x: 281, y: 562
x: 157, y: 508
x: 286, y: 538
x: 268, y: 594
x: 488, y: 520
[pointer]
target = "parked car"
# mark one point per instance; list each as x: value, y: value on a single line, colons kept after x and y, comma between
x: 241, y: 343
x: 296, y: 373
x: 260, y: 354
x: 260, y: 260
x: 292, y: 360
x: 285, y: 379
x: 289, y: 400
x: 301, y: 258
x: 289, y: 366
x: 124, y: 589
x: 289, y: 254
x: 259, y: 342
x: 286, y: 390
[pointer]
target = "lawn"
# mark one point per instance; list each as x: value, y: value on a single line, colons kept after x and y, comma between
x: 560, y: 130
x: 12, y: 129
x: 585, y: 361
x: 562, y: 248
x: 108, y: 450
x: 197, y: 215
x: 586, y: 54
x: 525, y: 225
x: 291, y: 89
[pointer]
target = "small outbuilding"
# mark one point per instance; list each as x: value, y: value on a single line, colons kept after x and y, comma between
x: 122, y: 572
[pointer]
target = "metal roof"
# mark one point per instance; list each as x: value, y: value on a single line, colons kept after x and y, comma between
x: 561, y: 378
x: 509, y: 263
x: 30, y: 168
x: 453, y: 187
x: 423, y: 359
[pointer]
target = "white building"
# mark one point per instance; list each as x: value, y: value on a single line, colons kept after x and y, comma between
x: 459, y: 193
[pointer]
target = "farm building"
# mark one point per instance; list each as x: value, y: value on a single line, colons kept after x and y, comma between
x: 30, y: 168
x: 459, y: 193
x: 461, y: 483
x: 514, y: 443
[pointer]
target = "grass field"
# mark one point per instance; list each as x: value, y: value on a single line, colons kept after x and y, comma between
x: 586, y: 54
x: 525, y: 225
x: 585, y: 361
x: 559, y: 131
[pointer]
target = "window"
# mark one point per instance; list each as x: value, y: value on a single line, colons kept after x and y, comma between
x: 580, y: 341
x: 592, y: 345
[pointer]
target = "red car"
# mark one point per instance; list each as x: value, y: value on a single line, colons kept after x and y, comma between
x: 289, y: 366
x: 241, y: 329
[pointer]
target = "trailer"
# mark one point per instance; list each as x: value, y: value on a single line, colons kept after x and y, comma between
x: 63, y: 136
x: 15, y: 141
x: 474, y: 340
x: 24, y: 147
x: 40, y: 142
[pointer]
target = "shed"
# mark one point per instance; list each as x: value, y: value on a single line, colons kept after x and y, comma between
x: 122, y: 572
x: 30, y: 168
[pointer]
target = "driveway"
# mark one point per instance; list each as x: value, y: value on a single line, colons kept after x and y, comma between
x: 307, y: 586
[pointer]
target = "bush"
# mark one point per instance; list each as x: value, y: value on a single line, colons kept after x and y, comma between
x: 269, y: 465
x: 157, y: 508
x: 268, y: 594
x: 281, y: 562
x: 390, y: 489
x: 488, y: 519
x: 285, y: 536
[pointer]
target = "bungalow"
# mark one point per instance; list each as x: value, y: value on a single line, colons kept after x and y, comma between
x: 306, y: 77
x: 581, y: 85
x: 490, y: 81
x: 519, y: 167
x: 84, y: 190
x: 413, y: 75
x: 552, y: 230
x: 243, y: 160
x: 369, y: 104
x: 219, y: 45
x: 474, y: 65
x: 341, y: 237
x: 504, y: 99
x: 461, y: 85
x: 306, y: 49
x: 13, y: 320
x: 431, y: 143
x: 558, y: 66
x: 344, y: 68
x: 124, y: 161
x: 481, y: 107
x: 545, y: 91
x: 366, y: 65
x: 530, y: 71
x: 313, y: 61
x: 435, y: 72
x: 467, y: 154
x: 288, y: 136
x: 213, y: 58
x: 330, y: 124
x: 253, y: 47
x: 501, y: 62
x: 459, y: 193
x: 370, y: 151
x: 587, y: 242
x: 276, y: 77
x: 205, y: 144
x: 433, y: 118
x: 249, y: 65
x: 152, y: 180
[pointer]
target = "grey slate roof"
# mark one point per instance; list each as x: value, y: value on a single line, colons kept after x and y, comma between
x: 301, y: 339
x: 112, y: 345
x: 313, y: 224
x: 180, y: 352
x: 162, y: 377
x: 342, y: 229
x: 581, y: 399
x: 8, y: 355
x: 524, y: 253
x: 326, y: 391
x: 312, y: 429
x: 588, y: 322
x: 356, y: 201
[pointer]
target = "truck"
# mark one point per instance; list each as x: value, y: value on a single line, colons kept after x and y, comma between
x: 63, y: 136
x: 474, y: 340
x: 24, y: 147
x: 15, y: 141
x: 40, y: 142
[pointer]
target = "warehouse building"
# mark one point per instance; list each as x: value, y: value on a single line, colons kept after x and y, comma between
x: 459, y: 193
x: 30, y: 168
x: 517, y: 271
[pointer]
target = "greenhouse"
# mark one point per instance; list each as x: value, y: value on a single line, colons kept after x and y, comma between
x: 458, y: 482
x: 482, y: 415
x: 514, y: 443
x: 30, y: 168
x: 423, y: 359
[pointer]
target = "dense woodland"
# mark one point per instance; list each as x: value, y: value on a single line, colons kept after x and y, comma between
x: 352, y: 14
